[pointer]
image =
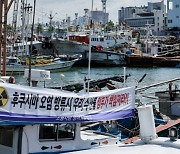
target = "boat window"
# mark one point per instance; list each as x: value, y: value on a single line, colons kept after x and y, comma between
x: 66, y: 131
x: 6, y: 137
x: 47, y: 132
x: 101, y: 39
x: 57, y: 132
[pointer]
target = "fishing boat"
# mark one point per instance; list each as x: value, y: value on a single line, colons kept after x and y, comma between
x: 14, y: 65
x: 41, y: 120
x: 37, y: 120
x: 149, y: 140
x: 169, y: 101
x: 111, y: 39
x: 78, y: 43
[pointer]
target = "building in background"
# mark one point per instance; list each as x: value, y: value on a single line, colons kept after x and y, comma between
x: 173, y: 14
x: 138, y: 17
x: 129, y: 12
x: 99, y: 17
x: 156, y: 6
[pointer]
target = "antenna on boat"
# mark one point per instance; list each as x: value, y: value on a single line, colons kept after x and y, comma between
x: 124, y: 77
x: 30, y: 52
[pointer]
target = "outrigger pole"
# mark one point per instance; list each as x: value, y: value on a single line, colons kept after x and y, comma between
x: 157, y: 84
x: 4, y: 9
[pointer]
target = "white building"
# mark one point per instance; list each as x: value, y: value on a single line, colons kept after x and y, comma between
x: 156, y: 19
x: 156, y: 6
x: 154, y: 14
x: 129, y: 12
x: 173, y: 14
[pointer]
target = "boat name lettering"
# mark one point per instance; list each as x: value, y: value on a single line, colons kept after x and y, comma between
x: 56, y: 103
x: 44, y: 75
x: 70, y: 119
x: 112, y: 100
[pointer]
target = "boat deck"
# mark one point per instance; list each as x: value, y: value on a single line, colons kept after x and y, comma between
x: 159, y: 129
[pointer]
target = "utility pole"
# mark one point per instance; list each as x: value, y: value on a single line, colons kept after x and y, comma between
x: 4, y: 9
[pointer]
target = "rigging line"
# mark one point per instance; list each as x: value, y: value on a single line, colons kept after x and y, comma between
x: 129, y: 130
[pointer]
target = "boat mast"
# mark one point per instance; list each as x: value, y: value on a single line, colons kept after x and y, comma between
x: 89, y: 60
x: 28, y: 13
x: 23, y: 25
x: 4, y: 9
x: 30, y: 51
x: 14, y: 25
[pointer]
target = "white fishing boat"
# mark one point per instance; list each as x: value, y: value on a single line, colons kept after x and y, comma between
x: 41, y: 120
x: 148, y: 140
x: 78, y: 43
x: 21, y: 49
x: 14, y: 65
x: 38, y: 120
x: 111, y: 39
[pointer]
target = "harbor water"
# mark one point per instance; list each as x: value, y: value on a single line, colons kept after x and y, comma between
x: 77, y: 75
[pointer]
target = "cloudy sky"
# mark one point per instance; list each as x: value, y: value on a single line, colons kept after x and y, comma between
x: 62, y: 8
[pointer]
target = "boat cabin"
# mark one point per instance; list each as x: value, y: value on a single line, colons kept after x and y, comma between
x: 111, y: 39
x: 13, y: 61
x: 41, y: 138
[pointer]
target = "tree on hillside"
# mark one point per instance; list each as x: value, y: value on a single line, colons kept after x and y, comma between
x: 40, y: 28
x: 51, y: 29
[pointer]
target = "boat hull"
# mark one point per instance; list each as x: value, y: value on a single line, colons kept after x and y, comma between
x: 106, y: 58
x: 69, y: 47
x: 51, y: 67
